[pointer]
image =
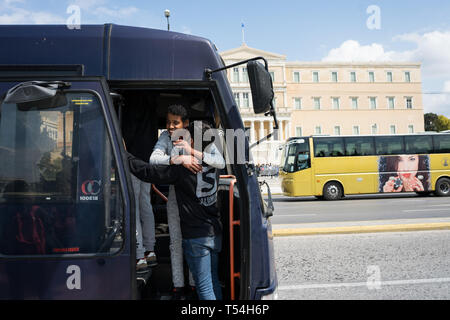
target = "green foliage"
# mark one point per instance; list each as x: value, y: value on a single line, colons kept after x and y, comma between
x: 443, y: 123
x: 434, y: 122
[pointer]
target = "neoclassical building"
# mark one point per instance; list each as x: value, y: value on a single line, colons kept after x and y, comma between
x: 326, y: 98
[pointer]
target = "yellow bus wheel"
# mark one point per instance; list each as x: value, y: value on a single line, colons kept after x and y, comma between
x: 332, y: 191
x: 443, y: 187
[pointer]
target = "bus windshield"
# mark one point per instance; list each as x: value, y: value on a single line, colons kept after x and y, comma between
x: 296, y: 156
x: 52, y: 200
x: 36, y: 153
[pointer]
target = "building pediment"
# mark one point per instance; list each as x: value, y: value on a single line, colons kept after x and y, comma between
x: 244, y: 52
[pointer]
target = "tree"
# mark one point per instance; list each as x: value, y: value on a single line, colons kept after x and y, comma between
x: 442, y: 123
x: 430, y: 121
x: 434, y: 122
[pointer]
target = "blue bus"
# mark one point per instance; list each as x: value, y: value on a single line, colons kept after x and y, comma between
x: 67, y: 216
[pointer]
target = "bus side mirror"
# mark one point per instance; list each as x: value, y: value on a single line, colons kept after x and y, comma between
x: 37, y: 95
x: 261, y: 86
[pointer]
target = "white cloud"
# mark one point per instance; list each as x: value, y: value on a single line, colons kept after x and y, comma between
x: 15, y: 15
x: 87, y: 4
x: 352, y: 50
x: 186, y: 30
x: 432, y: 49
x: 115, y: 11
x: 438, y: 102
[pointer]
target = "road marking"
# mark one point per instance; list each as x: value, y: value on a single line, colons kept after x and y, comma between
x: 362, y: 284
x: 297, y: 215
x: 362, y: 229
x: 414, y: 210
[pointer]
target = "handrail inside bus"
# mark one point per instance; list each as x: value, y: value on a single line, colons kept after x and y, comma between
x: 232, y: 223
x: 159, y: 193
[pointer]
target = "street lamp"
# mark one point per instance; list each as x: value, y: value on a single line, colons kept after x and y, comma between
x: 167, y: 14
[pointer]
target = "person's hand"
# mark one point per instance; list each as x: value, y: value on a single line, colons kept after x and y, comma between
x: 413, y: 184
x: 389, y: 186
x: 188, y: 149
x: 189, y: 162
x: 184, y: 145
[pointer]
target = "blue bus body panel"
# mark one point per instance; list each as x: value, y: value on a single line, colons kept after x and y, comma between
x: 50, y: 279
x: 143, y: 54
x: 22, y: 45
x: 116, y: 52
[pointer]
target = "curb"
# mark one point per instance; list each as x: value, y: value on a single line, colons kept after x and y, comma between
x: 361, y: 229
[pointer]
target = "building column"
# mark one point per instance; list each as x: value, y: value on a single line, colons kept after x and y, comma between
x: 281, y: 130
x: 252, y: 131
x: 272, y: 138
x: 287, y: 129
x: 261, y: 129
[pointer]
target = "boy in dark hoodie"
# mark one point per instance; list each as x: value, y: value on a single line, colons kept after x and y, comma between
x: 199, y: 217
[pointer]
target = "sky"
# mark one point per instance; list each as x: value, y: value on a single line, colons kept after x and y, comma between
x: 320, y: 30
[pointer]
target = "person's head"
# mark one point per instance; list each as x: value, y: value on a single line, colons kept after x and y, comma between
x: 407, y: 165
x: 177, y: 118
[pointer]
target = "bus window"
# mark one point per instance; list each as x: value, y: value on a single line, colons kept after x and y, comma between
x: 296, y: 156
x: 359, y: 146
x: 289, y: 165
x: 329, y: 147
x: 58, y: 189
x: 441, y: 143
x: 389, y: 145
x: 418, y: 144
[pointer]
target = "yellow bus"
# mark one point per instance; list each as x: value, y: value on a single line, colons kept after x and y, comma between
x: 330, y: 167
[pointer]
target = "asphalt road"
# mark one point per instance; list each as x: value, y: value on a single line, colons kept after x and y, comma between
x: 411, y: 265
x: 359, y: 208
x: 373, y: 266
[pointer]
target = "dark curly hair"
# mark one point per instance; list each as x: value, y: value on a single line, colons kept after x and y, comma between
x: 178, y: 110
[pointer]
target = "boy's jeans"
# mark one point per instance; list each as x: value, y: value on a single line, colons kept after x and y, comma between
x: 202, y: 256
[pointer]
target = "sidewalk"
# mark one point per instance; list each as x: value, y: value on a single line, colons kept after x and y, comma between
x: 372, y: 226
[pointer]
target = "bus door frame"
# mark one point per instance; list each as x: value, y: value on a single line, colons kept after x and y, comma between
x: 217, y: 93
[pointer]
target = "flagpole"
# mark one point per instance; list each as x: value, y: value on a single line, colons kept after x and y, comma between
x: 243, y: 35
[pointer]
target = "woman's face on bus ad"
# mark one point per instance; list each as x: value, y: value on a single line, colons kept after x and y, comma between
x: 408, y: 165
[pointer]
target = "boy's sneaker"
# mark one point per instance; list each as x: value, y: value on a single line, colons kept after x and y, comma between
x: 178, y: 293
x: 141, y: 265
x: 150, y: 258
